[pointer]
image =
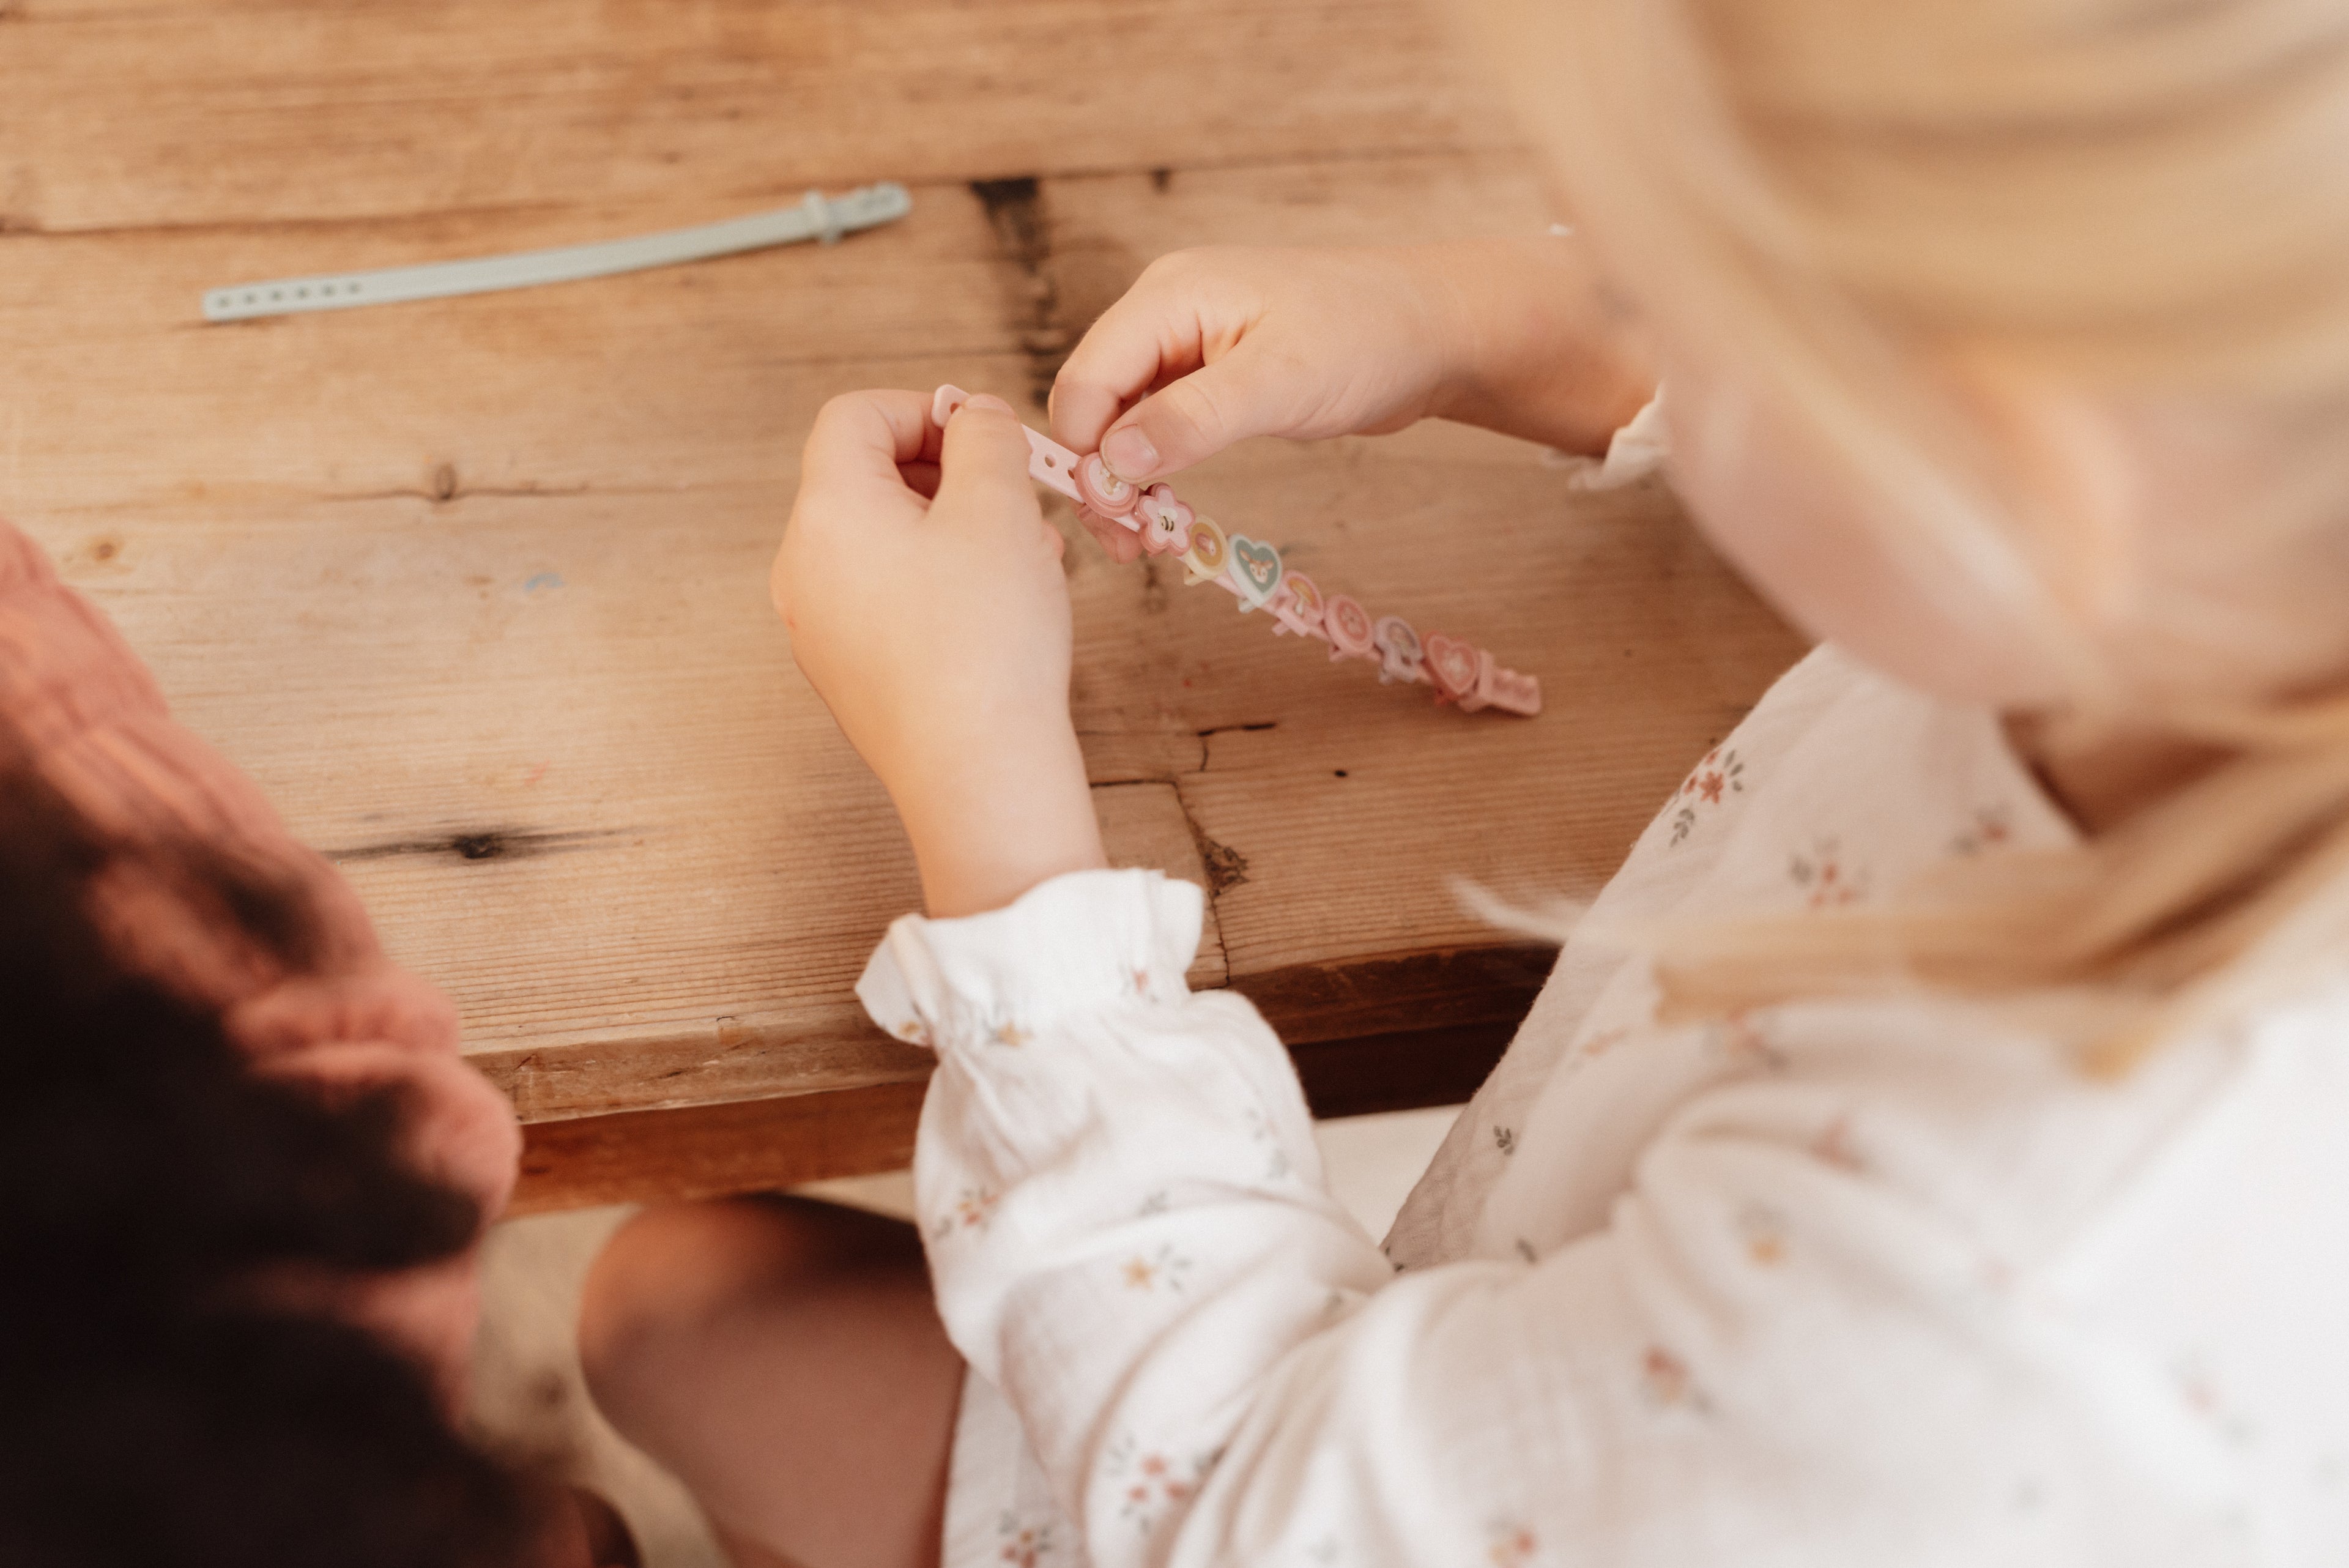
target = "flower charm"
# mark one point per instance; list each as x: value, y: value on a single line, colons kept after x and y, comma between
x: 1166, y: 522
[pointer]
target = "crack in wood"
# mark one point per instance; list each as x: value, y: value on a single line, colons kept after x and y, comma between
x: 1023, y: 237
x: 483, y: 844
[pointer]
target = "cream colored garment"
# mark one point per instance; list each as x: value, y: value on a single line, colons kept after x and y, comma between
x: 1836, y: 1283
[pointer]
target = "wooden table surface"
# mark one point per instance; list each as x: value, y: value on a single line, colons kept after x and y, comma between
x: 476, y: 588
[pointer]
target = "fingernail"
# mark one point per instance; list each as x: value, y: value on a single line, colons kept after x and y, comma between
x: 988, y: 400
x: 1129, y: 454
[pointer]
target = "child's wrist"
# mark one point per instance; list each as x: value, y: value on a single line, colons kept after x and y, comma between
x: 984, y: 832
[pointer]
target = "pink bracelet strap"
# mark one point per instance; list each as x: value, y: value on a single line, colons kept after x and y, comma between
x: 1250, y: 570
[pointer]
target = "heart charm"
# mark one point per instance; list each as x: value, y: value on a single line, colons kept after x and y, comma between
x: 1255, y: 570
x: 1298, y: 605
x: 1347, y: 625
x: 1166, y: 522
x: 1400, y: 654
x: 1203, y: 561
x: 1454, y: 664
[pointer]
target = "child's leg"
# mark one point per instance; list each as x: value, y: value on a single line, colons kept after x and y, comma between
x: 783, y: 1359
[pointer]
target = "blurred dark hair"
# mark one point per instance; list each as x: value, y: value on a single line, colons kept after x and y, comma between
x: 153, y: 1410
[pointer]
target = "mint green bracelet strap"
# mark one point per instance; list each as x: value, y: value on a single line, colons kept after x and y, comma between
x: 818, y: 217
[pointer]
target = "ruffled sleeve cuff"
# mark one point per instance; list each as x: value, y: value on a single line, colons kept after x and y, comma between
x: 1637, y: 451
x: 1079, y: 944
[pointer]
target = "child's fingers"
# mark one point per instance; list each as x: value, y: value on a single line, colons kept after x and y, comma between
x: 863, y: 438
x: 1151, y: 335
x: 1121, y: 543
x: 1193, y: 419
x: 983, y: 462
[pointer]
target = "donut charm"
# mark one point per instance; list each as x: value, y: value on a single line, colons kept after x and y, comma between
x: 1203, y: 561
x: 1102, y: 491
x: 1347, y: 625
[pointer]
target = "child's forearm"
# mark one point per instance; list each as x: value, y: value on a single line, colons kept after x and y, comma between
x: 1543, y: 351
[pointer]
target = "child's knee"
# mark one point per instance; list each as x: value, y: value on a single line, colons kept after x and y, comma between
x: 677, y: 1273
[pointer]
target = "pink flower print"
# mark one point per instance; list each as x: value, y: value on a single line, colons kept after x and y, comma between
x: 1763, y: 1231
x: 1024, y: 1546
x: 1606, y: 1040
x: 1738, y: 1040
x: 971, y: 1209
x: 1720, y: 775
x: 1834, y: 1146
x: 1513, y: 1546
x: 1991, y: 826
x: 1166, y: 1267
x: 1142, y: 982
x: 1665, y: 1379
x: 1823, y: 876
x: 1154, y: 1480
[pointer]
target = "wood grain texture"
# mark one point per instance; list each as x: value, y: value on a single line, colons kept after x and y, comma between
x: 476, y: 588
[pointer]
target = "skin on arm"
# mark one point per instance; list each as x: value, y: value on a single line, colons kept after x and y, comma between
x: 782, y: 1358
x: 1211, y: 346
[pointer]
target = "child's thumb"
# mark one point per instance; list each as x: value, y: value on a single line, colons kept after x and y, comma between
x: 1191, y: 419
x: 983, y: 461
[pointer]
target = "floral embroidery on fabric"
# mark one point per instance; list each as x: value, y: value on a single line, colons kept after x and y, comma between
x: 1738, y: 1041
x: 1166, y: 1267
x: 1606, y: 1040
x: 1276, y: 1164
x: 1009, y: 1032
x: 1763, y: 1231
x: 1826, y: 881
x: 1024, y: 1546
x: 1151, y: 1481
x: 973, y: 1207
x: 1835, y: 1146
x: 913, y: 1034
x: 2204, y: 1397
x: 1721, y: 773
x: 1665, y: 1379
x: 1513, y: 1546
x: 1992, y: 826
x: 1506, y: 1139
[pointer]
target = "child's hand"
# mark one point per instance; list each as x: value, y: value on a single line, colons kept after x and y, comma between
x: 1516, y: 335
x: 925, y: 602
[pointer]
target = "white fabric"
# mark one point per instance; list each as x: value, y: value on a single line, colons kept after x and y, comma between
x: 1836, y: 1283
x: 1636, y: 451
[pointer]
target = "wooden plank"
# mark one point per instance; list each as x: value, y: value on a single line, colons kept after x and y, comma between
x: 260, y: 112
x: 758, y: 1145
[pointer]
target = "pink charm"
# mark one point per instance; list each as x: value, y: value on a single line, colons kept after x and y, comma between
x: 1512, y: 692
x: 1400, y: 656
x: 1166, y: 522
x: 1455, y: 667
x: 1049, y: 462
x: 1347, y: 625
x: 1102, y: 491
x: 1296, y: 606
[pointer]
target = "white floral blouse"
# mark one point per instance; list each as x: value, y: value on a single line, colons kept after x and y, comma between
x: 1835, y: 1284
